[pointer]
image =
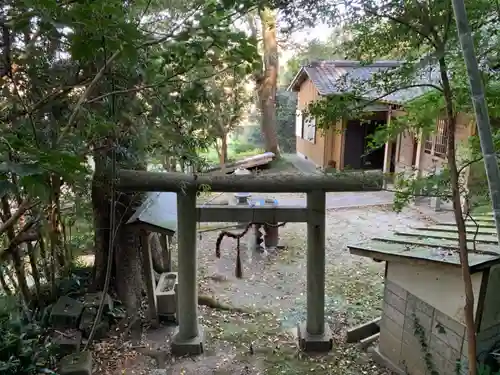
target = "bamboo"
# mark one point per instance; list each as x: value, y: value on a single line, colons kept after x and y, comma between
x: 480, y: 108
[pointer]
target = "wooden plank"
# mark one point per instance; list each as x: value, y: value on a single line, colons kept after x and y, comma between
x: 437, y: 242
x: 477, y: 262
x: 485, y: 224
x: 415, y: 251
x: 363, y: 330
x: 149, y: 279
x: 468, y: 229
x: 488, y: 218
x: 249, y: 162
x: 258, y: 214
x: 445, y: 235
x: 366, y: 342
x: 417, y: 254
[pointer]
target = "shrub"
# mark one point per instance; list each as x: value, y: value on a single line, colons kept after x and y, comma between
x: 24, y: 348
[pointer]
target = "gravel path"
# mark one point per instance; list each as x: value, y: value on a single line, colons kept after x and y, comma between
x: 274, y: 281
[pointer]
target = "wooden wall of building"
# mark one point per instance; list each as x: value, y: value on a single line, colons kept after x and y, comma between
x: 328, y: 146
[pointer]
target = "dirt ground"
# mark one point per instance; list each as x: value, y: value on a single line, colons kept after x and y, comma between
x: 273, y: 289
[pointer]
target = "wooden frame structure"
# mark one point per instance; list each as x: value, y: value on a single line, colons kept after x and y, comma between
x: 314, y: 334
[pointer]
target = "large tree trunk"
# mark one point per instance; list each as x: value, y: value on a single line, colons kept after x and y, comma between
x: 457, y: 210
x: 126, y: 270
x: 223, y: 150
x: 268, y: 84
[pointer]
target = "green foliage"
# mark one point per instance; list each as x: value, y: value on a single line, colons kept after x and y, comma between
x: 432, y: 185
x: 286, y: 105
x: 314, y: 50
x: 24, y: 349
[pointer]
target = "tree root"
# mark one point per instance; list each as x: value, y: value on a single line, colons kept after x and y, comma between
x: 204, y: 300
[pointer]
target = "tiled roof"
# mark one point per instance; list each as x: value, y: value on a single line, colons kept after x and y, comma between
x: 338, y: 76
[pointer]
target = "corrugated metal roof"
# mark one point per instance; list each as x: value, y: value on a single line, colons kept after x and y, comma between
x: 340, y: 76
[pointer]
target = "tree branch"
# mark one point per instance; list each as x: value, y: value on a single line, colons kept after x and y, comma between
x: 401, y: 22
x: 11, y: 221
x: 86, y: 93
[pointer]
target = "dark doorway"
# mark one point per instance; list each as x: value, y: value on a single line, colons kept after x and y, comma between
x: 414, y: 153
x: 357, y: 139
x: 392, y: 167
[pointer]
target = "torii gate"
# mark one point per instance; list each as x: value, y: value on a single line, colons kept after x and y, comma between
x: 314, y: 334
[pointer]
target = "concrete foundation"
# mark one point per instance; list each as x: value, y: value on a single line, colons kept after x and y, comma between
x: 188, y: 347
x: 315, y: 343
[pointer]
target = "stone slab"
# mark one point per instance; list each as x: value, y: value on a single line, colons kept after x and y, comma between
x: 315, y: 343
x: 67, y: 342
x: 66, y: 313
x: 87, y: 320
x: 76, y: 364
x: 190, y: 347
x: 94, y: 299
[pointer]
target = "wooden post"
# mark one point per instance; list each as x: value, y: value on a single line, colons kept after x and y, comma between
x: 149, y: 278
x: 271, y: 238
x: 166, y: 252
x: 418, y: 172
x: 315, y: 335
x: 188, y: 339
x: 386, y: 168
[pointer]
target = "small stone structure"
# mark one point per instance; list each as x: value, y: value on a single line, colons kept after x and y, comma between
x: 66, y: 313
x: 76, y: 364
x: 166, y: 295
x: 73, y: 320
x: 422, y: 330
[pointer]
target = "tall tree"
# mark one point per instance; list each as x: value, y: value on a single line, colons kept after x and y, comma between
x: 230, y: 98
x: 268, y: 83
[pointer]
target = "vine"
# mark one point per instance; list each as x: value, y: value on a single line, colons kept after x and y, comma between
x: 419, y: 332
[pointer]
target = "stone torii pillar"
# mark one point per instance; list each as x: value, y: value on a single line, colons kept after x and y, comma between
x: 314, y: 334
x: 188, y: 339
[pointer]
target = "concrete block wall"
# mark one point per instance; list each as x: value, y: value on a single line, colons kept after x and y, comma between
x: 443, y: 337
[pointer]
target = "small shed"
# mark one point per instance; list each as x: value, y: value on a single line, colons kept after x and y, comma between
x: 158, y: 214
x: 422, y: 328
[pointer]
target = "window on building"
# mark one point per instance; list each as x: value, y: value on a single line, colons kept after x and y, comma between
x: 309, y: 128
x: 441, y: 139
x: 437, y: 143
x: 428, y: 144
